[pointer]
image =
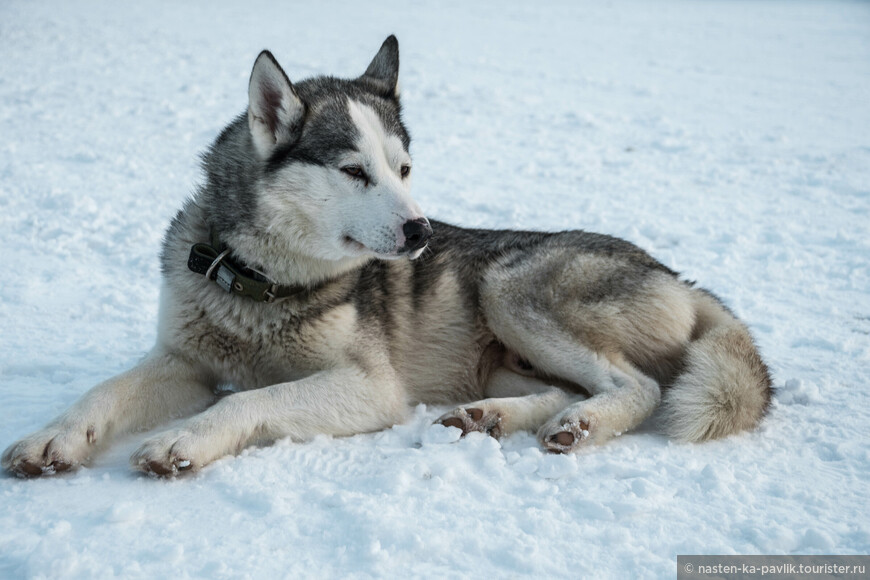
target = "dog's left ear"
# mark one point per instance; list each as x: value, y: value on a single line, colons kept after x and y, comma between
x: 384, y: 68
x: 275, y: 111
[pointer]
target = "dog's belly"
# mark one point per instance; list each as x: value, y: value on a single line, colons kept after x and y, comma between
x: 448, y: 372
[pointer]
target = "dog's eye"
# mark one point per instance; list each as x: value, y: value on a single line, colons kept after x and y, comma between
x: 355, y: 171
x: 406, y: 170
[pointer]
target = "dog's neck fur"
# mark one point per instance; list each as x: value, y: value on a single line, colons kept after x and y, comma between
x: 271, y: 255
x: 282, y: 264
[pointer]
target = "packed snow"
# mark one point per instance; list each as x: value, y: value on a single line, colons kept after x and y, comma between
x: 729, y: 139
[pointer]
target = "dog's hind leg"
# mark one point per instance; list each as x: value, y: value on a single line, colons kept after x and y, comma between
x: 621, y: 399
x: 515, y: 403
x: 573, y: 326
x: 159, y: 388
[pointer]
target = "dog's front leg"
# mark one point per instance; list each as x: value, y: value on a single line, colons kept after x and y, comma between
x: 159, y: 388
x: 334, y: 402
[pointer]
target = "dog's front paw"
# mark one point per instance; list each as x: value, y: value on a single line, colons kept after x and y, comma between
x: 481, y: 418
x: 49, y: 451
x: 567, y: 434
x: 167, y: 455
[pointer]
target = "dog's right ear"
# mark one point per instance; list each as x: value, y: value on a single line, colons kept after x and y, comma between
x: 275, y: 111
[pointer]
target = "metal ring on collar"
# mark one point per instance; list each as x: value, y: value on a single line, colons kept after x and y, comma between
x: 215, y: 264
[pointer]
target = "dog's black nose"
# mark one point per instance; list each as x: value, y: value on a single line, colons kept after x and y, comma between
x: 417, y: 233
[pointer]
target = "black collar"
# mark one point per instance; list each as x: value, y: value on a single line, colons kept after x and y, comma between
x: 215, y: 261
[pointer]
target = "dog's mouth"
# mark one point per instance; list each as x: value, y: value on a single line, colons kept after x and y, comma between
x: 358, y: 248
x: 354, y: 245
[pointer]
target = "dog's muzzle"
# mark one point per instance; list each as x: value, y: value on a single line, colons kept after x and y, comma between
x: 417, y: 233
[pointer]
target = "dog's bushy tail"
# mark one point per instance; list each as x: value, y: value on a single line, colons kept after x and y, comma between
x: 724, y: 386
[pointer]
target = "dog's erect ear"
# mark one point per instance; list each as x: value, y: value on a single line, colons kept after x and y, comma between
x: 384, y: 68
x: 275, y: 111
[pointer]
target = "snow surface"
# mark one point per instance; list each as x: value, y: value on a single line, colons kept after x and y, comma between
x: 730, y: 139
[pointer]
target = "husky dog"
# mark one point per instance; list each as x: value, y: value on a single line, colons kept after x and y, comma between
x: 304, y: 275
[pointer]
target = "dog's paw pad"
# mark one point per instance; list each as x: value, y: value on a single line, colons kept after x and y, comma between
x: 473, y: 419
x: 163, y: 468
x: 31, y: 468
x: 47, y: 452
x: 564, y: 438
x: 166, y: 455
x: 453, y: 422
x: 568, y: 437
x: 27, y: 469
x: 155, y: 468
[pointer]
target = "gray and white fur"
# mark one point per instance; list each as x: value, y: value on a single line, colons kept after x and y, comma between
x: 578, y: 336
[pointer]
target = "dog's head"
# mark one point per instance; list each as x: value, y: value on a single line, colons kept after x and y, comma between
x: 336, y: 170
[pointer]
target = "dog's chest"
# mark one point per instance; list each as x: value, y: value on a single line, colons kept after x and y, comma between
x: 255, y: 345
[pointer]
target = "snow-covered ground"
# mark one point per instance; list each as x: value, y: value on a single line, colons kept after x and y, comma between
x: 730, y: 139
